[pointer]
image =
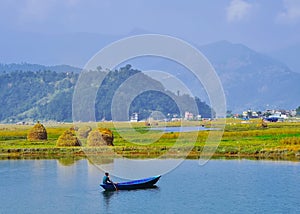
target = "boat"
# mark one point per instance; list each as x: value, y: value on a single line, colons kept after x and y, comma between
x: 131, y: 185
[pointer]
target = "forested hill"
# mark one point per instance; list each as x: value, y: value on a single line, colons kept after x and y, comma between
x: 47, y: 95
x: 37, y: 67
x: 30, y: 95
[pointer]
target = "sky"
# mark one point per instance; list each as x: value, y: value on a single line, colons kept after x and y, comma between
x: 263, y: 25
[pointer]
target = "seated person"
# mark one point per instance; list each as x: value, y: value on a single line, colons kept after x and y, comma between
x: 106, y: 179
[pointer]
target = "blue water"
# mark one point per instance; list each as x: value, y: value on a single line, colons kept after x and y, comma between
x: 180, y: 129
x: 220, y: 186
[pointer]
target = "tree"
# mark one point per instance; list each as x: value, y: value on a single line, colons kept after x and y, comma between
x: 229, y: 113
x: 298, y: 110
x: 47, y: 95
x: 204, y: 110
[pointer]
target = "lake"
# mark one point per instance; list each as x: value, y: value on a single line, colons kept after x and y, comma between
x: 181, y: 129
x: 220, y: 186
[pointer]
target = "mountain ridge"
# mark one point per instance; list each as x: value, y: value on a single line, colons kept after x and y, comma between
x: 37, y: 67
x: 250, y: 79
x: 289, y: 55
x: 254, y: 79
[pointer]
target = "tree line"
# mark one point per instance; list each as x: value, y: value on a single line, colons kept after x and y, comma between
x: 47, y: 95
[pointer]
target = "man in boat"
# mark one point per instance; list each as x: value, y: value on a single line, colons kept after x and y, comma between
x: 106, y: 179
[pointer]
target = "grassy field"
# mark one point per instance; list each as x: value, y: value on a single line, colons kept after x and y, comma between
x: 240, y: 139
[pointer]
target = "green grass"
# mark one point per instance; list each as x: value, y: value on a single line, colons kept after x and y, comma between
x: 238, y: 139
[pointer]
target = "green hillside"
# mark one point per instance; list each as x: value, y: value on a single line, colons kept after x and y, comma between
x: 47, y: 95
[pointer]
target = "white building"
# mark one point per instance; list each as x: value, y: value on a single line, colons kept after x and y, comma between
x: 134, y: 117
x: 188, y: 116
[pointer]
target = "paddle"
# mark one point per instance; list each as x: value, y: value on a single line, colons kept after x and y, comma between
x: 115, y: 186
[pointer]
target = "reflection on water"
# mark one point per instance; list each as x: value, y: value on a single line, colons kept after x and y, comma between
x: 106, y: 196
x: 99, y: 159
x: 181, y: 129
x: 68, y: 160
x: 109, y: 197
x: 109, y: 160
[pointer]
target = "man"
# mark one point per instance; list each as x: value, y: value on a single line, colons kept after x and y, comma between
x: 106, y: 179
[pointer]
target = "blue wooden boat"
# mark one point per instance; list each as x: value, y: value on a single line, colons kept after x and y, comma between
x: 130, y: 185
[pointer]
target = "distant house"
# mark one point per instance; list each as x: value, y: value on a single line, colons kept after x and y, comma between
x: 188, y: 116
x: 254, y: 114
x: 293, y: 113
x: 198, y: 117
x: 250, y: 114
x: 134, y: 117
x: 277, y: 116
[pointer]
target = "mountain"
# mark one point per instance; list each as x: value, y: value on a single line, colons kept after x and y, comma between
x: 47, y: 95
x: 251, y: 79
x: 290, y: 56
x: 36, y: 67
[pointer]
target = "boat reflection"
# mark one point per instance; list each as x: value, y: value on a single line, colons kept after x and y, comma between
x: 110, y: 196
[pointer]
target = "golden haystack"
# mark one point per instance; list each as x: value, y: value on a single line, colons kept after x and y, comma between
x: 68, y: 138
x: 38, y: 132
x: 264, y: 124
x: 100, y: 137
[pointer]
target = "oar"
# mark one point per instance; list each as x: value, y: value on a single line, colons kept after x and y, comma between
x: 115, y: 186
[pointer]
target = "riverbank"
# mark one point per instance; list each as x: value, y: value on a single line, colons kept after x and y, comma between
x: 240, y: 140
x: 134, y: 152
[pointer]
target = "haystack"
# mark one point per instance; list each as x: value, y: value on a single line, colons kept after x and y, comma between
x: 264, y: 124
x: 38, y: 132
x: 100, y: 137
x: 68, y: 138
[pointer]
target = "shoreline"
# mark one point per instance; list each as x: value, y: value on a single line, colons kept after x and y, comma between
x: 137, y: 153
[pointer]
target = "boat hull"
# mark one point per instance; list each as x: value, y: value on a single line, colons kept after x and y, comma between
x: 131, y: 185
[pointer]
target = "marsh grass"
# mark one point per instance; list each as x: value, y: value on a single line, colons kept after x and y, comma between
x: 238, y: 138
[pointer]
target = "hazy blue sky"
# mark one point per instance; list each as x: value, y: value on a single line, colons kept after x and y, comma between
x: 264, y: 25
